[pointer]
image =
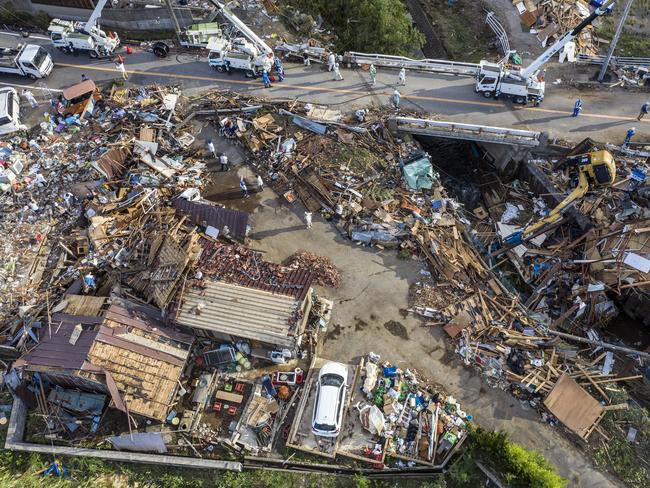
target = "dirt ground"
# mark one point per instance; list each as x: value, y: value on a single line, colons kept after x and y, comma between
x: 370, y: 315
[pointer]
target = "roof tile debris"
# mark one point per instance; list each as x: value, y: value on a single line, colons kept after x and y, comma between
x: 242, y: 266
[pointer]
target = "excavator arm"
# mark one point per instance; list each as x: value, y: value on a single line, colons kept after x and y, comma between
x: 595, y: 169
x: 556, y: 214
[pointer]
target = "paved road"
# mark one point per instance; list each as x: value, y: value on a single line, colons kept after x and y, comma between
x: 606, y: 115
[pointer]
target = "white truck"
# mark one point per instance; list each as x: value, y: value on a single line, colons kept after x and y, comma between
x: 26, y: 60
x: 249, y: 54
x: 9, y: 111
x: 70, y: 36
x: 526, y: 85
x: 237, y: 55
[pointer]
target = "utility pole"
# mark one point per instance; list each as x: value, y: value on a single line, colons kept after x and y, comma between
x: 612, y: 45
x: 177, y: 26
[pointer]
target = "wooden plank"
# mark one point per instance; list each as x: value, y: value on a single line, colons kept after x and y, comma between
x: 229, y: 396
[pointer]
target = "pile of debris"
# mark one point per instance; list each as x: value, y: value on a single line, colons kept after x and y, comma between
x: 325, y: 273
x: 569, y: 279
x: 110, y: 172
x: 373, y: 187
x: 550, y: 20
x: 411, y: 420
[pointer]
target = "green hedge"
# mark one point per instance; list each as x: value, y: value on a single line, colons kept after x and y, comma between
x: 513, y: 463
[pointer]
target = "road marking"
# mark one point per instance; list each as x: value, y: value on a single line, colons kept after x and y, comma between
x: 354, y: 92
x: 31, y: 87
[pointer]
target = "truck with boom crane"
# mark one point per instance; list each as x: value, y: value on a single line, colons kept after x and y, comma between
x: 249, y: 53
x: 526, y: 85
x: 70, y: 36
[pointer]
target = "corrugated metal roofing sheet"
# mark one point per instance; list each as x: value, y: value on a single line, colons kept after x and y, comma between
x: 217, y: 217
x: 240, y: 311
x: 56, y: 351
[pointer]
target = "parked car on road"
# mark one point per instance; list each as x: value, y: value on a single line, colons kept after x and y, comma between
x: 329, y: 404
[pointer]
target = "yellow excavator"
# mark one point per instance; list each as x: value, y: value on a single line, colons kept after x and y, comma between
x: 595, y: 169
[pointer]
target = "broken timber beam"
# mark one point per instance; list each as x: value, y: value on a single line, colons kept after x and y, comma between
x: 605, y: 345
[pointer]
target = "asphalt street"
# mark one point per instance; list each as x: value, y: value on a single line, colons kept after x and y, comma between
x: 606, y: 115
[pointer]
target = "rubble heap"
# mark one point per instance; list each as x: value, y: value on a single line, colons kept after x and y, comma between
x: 325, y: 273
x: 414, y: 421
x: 383, y: 192
x: 550, y: 20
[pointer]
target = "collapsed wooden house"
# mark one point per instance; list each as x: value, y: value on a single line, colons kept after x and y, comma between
x: 115, y: 347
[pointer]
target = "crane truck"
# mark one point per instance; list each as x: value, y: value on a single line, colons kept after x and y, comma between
x: 70, y: 36
x: 249, y: 54
x: 524, y: 85
x: 595, y: 169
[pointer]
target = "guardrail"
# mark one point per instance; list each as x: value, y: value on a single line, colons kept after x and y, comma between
x: 471, y: 132
x: 502, y: 36
x: 616, y: 60
x: 430, y: 65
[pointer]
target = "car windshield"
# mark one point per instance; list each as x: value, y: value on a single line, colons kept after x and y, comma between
x: 324, y: 427
x: 331, y: 380
x: 41, y: 54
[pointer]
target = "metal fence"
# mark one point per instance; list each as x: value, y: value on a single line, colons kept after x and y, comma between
x: 430, y: 65
x: 616, y: 60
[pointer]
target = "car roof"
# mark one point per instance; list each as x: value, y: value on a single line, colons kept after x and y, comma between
x: 79, y: 89
x: 332, y: 367
x: 327, y: 407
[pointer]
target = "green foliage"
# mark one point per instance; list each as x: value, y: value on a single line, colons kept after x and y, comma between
x: 634, y: 40
x: 19, y: 470
x: 360, y: 481
x: 10, y: 16
x: 513, y: 463
x: 381, y: 26
x: 464, y: 473
x: 625, y: 459
x: 619, y: 457
x: 461, y: 28
x: 404, y: 254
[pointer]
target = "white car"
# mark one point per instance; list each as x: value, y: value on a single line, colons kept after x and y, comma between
x: 330, y: 400
x: 9, y: 111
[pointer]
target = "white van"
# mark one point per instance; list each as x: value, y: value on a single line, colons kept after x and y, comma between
x: 329, y: 404
x: 9, y: 111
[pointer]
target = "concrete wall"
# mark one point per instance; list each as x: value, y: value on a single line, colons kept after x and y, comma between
x: 144, y: 19
x: 16, y: 431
